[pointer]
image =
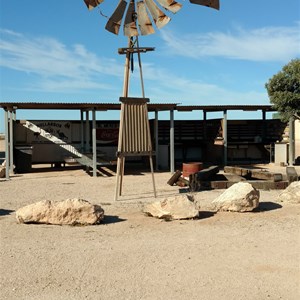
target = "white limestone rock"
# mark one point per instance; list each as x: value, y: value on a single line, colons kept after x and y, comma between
x: 67, y: 212
x: 173, y: 208
x: 291, y: 194
x: 240, y: 197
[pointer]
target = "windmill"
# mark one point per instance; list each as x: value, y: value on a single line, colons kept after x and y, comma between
x: 137, y: 18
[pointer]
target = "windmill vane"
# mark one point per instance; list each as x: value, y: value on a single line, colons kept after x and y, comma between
x: 137, y: 17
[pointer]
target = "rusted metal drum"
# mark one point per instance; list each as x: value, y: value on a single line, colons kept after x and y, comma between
x: 191, y: 168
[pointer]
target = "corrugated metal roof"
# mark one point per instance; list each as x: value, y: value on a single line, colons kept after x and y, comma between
x: 116, y: 106
x: 225, y: 107
x: 79, y: 106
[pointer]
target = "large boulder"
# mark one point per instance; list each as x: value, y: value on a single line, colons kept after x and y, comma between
x: 67, y: 212
x: 2, y: 172
x: 173, y: 208
x: 240, y: 197
x: 291, y: 194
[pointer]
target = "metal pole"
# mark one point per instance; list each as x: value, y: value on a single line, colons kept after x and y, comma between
x: 291, y: 141
x: 87, y: 131
x: 204, y: 125
x: 94, y: 144
x: 11, y: 142
x: 156, y: 139
x: 6, y: 145
x: 264, y: 126
x: 81, y: 130
x: 225, y: 136
x: 172, y: 155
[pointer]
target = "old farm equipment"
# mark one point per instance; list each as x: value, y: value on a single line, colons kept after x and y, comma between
x: 137, y: 18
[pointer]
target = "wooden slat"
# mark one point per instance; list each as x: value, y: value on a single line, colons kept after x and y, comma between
x: 144, y: 21
x: 92, y: 3
x: 210, y: 3
x: 158, y: 16
x: 170, y: 5
x: 252, y: 173
x: 130, y: 27
x: 114, y: 22
x: 135, y: 130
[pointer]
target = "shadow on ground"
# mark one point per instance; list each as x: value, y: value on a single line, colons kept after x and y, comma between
x: 112, y: 219
x: 5, y: 212
x: 206, y: 214
x: 267, y: 206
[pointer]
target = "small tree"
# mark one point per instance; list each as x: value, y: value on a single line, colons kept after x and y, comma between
x: 284, y: 90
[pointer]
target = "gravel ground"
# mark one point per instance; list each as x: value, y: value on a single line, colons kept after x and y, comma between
x: 130, y: 256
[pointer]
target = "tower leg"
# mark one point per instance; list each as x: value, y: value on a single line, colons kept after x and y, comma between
x: 152, y: 174
x: 118, y: 178
x: 122, y: 167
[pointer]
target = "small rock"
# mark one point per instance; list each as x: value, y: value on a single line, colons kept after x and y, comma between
x: 173, y: 208
x: 240, y: 197
x: 2, y: 171
x: 291, y: 194
x: 67, y: 212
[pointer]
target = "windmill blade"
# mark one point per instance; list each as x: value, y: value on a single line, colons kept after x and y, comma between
x: 130, y: 28
x: 114, y: 22
x: 170, y: 5
x: 158, y: 16
x: 210, y: 3
x: 92, y: 3
x: 144, y: 21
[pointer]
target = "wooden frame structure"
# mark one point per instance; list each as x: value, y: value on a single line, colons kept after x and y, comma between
x: 134, y: 136
x: 134, y: 130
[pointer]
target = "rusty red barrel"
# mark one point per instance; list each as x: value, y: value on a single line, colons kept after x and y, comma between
x: 191, y: 168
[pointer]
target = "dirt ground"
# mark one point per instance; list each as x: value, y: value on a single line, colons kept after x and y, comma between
x: 130, y: 256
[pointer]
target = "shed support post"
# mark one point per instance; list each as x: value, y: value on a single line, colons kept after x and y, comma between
x: 225, y: 136
x: 87, y: 131
x: 291, y: 141
x: 11, y: 142
x: 204, y: 125
x: 6, y: 145
x: 156, y: 139
x: 172, y: 150
x: 264, y: 124
x: 81, y: 131
x: 94, y: 144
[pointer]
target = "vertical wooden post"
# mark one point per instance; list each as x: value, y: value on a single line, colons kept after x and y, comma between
x: 264, y: 126
x: 87, y: 132
x: 225, y: 136
x: 7, y: 160
x: 94, y: 142
x: 204, y: 125
x: 291, y: 141
x: 172, y: 142
x: 11, y: 142
x: 156, y: 139
x: 81, y: 131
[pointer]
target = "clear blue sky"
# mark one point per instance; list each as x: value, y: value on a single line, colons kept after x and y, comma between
x: 58, y: 51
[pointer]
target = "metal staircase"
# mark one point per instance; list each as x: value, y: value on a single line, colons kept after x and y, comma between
x: 79, y: 157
